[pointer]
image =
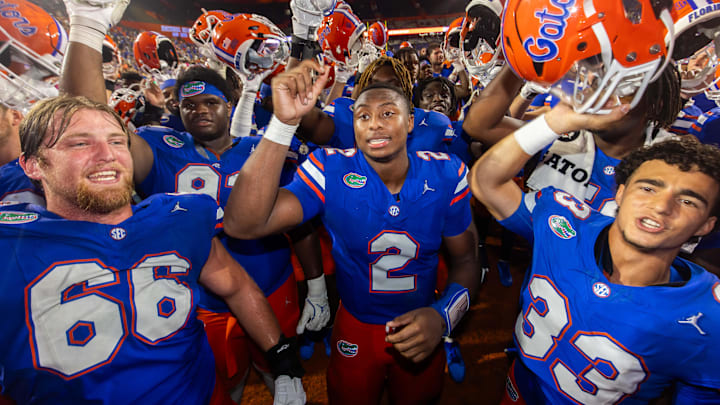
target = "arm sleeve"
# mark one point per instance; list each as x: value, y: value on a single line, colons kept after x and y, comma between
x: 520, y: 221
x: 686, y: 394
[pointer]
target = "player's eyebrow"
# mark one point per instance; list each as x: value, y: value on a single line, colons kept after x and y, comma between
x: 684, y: 191
x: 381, y: 105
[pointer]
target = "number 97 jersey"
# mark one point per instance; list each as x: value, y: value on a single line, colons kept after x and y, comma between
x: 585, y: 340
x: 105, y: 314
x: 385, y: 247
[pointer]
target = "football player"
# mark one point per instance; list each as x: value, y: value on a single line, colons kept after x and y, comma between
x: 371, y: 199
x: 106, y: 311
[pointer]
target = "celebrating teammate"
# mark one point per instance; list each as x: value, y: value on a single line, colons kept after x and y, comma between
x: 374, y: 201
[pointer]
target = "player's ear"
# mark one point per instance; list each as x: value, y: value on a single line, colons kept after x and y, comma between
x: 411, y: 121
x: 707, y: 227
x: 619, y: 194
x: 31, y: 166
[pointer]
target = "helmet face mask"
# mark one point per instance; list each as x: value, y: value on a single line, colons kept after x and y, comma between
x: 30, y: 56
x: 595, y: 54
x: 128, y: 102
x: 155, y: 55
x: 479, y: 40
x: 451, y: 44
x: 251, y: 45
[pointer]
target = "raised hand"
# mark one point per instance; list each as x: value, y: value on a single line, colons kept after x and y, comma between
x: 418, y: 333
x: 294, y: 92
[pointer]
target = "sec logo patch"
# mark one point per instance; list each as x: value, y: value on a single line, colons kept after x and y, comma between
x: 602, y: 290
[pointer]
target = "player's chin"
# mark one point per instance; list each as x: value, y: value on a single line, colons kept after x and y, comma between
x: 103, y: 200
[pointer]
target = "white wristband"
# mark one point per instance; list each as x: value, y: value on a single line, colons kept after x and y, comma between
x: 317, y: 287
x: 280, y: 132
x: 242, y: 117
x: 87, y: 36
x: 535, y: 135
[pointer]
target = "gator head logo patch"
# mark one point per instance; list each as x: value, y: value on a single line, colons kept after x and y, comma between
x: 190, y: 89
x: 13, y: 217
x: 347, y: 349
x: 173, y: 141
x: 561, y: 227
x: 354, y: 180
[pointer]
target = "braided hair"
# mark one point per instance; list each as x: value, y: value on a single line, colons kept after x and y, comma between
x: 663, y: 98
x: 401, y: 72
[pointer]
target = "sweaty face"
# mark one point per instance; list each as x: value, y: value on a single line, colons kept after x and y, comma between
x: 661, y: 207
x: 436, y: 97
x: 90, y: 166
x: 381, y: 123
x: 205, y: 116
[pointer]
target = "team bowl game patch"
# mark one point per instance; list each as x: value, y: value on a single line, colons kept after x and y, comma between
x: 347, y: 349
x: 602, y: 290
x: 561, y: 227
x: 173, y: 142
x: 354, y: 180
x: 12, y: 217
x: 190, y: 89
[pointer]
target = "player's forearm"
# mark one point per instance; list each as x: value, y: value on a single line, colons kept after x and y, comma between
x: 463, y: 261
x: 487, y: 112
x: 307, y: 249
x: 254, y: 313
x: 462, y: 90
x: 82, y: 73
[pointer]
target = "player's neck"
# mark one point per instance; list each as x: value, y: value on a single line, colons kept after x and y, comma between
x: 637, y: 267
x: 219, y: 145
x: 392, y: 172
x: 72, y: 212
x: 620, y: 142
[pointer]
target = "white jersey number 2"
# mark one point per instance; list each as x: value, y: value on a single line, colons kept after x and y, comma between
x: 398, y: 250
x: 76, y: 327
x: 612, y: 371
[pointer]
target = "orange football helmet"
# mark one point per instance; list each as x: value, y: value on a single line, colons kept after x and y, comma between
x: 32, y: 46
x: 405, y: 44
x: 201, y: 31
x: 595, y: 54
x: 128, y: 102
x: 251, y: 44
x: 697, y: 43
x: 155, y: 55
x: 451, y: 43
x: 377, y: 35
x: 111, y: 59
x: 340, y: 36
x: 479, y: 39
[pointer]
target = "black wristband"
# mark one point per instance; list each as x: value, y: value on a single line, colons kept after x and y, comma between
x: 283, y: 358
x: 152, y: 115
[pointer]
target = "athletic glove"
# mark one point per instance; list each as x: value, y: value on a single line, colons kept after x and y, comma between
x: 289, y: 391
x: 307, y: 16
x: 90, y: 20
x: 316, y: 312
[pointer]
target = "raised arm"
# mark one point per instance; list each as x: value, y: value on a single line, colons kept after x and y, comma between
x: 82, y: 67
x: 485, y: 121
x: 491, y: 176
x: 257, y: 206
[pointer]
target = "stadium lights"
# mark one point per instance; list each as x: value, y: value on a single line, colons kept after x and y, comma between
x: 416, y: 31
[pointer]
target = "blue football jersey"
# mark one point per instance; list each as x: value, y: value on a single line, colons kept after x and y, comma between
x: 16, y: 186
x: 460, y: 145
x: 432, y: 131
x: 707, y: 127
x: 182, y: 166
x: 105, y: 314
x: 385, y: 249
x: 685, y: 118
x: 586, y: 340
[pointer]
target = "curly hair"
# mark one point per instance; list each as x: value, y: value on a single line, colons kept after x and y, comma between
x: 685, y: 153
x: 401, y: 72
x: 663, y: 99
x: 444, y: 82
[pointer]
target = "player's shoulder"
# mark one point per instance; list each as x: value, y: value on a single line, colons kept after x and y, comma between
x: 447, y: 165
x: 425, y: 118
x: 339, y: 105
x: 552, y: 201
x: 20, y: 217
x: 161, y: 135
x: 173, y: 204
